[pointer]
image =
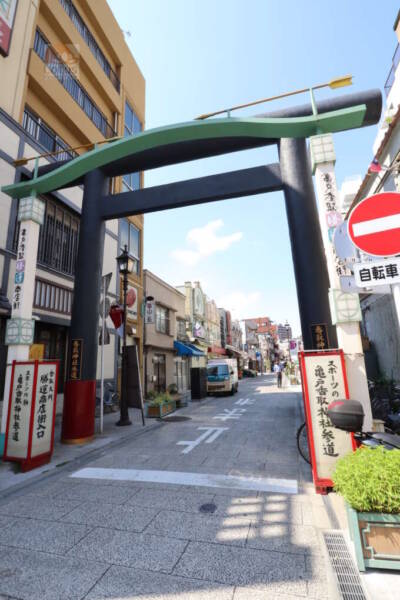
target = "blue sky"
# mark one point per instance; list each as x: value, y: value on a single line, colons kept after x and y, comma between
x: 199, y: 56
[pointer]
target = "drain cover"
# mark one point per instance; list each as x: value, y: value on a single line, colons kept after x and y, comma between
x: 343, y: 566
x: 176, y: 419
x: 208, y: 508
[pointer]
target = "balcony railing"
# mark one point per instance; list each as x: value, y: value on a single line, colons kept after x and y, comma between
x: 71, y: 84
x: 91, y: 42
x: 392, y: 72
x: 40, y: 132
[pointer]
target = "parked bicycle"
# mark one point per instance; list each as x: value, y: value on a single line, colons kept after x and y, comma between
x: 302, y: 442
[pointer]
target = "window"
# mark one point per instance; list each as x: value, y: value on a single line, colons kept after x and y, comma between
x: 181, y: 328
x: 162, y: 319
x: 58, y: 239
x: 130, y: 237
x: 131, y: 181
x: 52, y: 297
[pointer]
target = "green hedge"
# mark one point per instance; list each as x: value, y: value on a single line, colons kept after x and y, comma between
x: 369, y: 480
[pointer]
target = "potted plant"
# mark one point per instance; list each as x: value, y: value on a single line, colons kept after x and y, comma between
x: 369, y: 481
x: 161, y: 405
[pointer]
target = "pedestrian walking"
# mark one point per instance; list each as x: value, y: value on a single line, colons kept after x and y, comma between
x: 278, y: 371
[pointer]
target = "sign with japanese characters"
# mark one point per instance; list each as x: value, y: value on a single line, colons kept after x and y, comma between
x: 7, y: 15
x: 31, y: 415
x: 20, y: 410
x: 44, y: 413
x: 76, y: 359
x: 319, y: 334
x: 324, y: 380
x: 150, y: 312
x: 383, y: 272
x: 132, y: 303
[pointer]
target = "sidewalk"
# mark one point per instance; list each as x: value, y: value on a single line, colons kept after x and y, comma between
x: 66, y: 453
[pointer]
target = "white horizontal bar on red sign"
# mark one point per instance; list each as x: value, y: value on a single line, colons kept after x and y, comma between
x: 376, y: 225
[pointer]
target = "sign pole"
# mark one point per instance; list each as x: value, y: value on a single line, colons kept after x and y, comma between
x: 396, y: 299
x: 140, y: 386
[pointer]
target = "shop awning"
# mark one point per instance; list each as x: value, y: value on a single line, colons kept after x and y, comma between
x: 233, y: 350
x: 187, y: 349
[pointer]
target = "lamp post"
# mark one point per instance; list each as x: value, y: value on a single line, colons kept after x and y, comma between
x: 125, y: 266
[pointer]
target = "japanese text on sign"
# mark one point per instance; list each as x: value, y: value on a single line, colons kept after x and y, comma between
x: 20, y: 409
x: 319, y: 334
x: 325, y: 381
x: 76, y: 359
x: 20, y: 270
x: 384, y: 272
x: 44, y: 409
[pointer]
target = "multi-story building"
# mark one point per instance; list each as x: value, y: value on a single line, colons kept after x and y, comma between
x: 195, y: 310
x: 69, y: 81
x: 225, y: 327
x: 213, y: 325
x: 380, y: 324
x: 237, y: 335
x: 284, y: 332
x: 163, y: 365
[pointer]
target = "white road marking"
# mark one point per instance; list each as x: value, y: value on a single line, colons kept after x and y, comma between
x: 244, y: 401
x: 209, y: 432
x: 258, y: 484
x: 376, y: 225
x: 234, y: 413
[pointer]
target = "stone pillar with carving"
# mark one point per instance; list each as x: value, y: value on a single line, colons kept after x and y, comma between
x: 345, y: 306
x: 20, y: 327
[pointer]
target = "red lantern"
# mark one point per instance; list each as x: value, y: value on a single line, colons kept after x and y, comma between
x: 116, y: 314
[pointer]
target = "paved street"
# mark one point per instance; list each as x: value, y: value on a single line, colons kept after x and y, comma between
x: 216, y: 506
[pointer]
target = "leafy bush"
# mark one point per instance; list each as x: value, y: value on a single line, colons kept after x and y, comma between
x: 172, y: 388
x: 369, y: 480
x: 160, y: 399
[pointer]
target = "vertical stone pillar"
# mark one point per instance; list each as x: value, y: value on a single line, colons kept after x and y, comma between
x: 21, y: 326
x: 345, y: 306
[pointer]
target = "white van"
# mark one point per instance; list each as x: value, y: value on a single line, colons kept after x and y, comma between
x: 222, y: 376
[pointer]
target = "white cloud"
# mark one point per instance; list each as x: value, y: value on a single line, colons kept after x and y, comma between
x: 205, y: 242
x: 243, y: 305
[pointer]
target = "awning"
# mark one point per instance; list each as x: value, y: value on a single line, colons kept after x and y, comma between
x: 233, y: 350
x: 187, y: 349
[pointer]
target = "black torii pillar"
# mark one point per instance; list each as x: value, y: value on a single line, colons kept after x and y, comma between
x: 309, y: 262
x: 80, y: 387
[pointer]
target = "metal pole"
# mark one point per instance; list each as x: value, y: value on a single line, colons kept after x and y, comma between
x: 396, y: 299
x: 140, y: 388
x: 102, y: 356
x: 124, y: 413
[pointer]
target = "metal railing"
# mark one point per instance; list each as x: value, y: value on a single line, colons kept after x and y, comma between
x: 46, y: 137
x: 70, y: 83
x: 91, y: 42
x: 392, y: 72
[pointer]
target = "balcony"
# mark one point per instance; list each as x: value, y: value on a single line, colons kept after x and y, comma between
x: 91, y: 42
x: 45, y: 136
x: 64, y: 75
x: 392, y: 72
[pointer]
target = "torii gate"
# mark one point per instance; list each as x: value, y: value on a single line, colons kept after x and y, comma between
x: 179, y: 143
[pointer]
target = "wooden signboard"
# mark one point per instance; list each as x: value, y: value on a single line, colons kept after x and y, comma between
x: 324, y: 380
x: 31, y: 416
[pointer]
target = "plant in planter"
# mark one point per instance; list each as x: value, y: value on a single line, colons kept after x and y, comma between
x: 161, y: 405
x: 369, y: 481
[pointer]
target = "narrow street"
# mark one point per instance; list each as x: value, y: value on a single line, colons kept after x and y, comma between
x: 217, y: 505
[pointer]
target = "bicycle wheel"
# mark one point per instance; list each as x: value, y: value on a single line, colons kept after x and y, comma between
x: 302, y: 443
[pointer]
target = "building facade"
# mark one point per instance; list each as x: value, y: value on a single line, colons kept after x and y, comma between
x: 213, y: 325
x: 284, y: 331
x: 163, y: 365
x: 71, y: 82
x: 237, y: 335
x: 380, y: 325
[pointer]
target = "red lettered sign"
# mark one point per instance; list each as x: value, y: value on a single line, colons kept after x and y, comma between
x: 374, y: 224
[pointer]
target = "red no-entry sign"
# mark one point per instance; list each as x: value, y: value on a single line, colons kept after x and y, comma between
x: 374, y: 224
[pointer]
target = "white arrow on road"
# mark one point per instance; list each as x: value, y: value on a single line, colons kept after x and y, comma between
x: 210, y: 435
x: 234, y: 413
x: 244, y: 401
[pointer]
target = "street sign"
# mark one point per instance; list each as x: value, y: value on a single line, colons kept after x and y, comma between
x: 374, y: 224
x: 105, y: 282
x: 344, y: 247
x: 383, y: 272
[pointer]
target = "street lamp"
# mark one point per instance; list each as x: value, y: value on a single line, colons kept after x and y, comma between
x: 125, y: 266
